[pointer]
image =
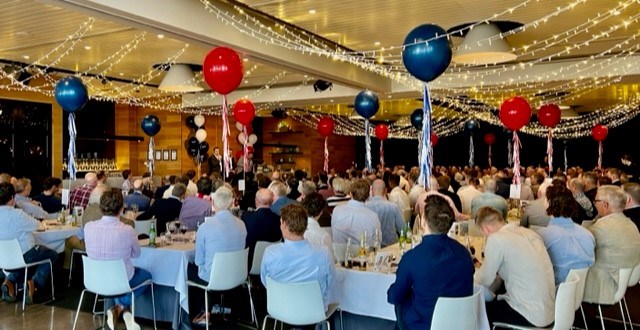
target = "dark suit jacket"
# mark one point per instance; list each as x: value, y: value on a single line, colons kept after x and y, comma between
x: 591, y: 194
x: 454, y: 198
x: 215, y: 165
x: 160, y: 192
x: 634, y: 215
x: 262, y: 225
x: 165, y: 210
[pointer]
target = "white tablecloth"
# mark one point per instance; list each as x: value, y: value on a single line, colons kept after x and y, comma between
x: 168, y: 267
x: 54, y: 237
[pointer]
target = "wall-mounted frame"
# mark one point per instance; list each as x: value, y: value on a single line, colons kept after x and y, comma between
x: 174, y: 154
x: 165, y: 154
x: 158, y: 155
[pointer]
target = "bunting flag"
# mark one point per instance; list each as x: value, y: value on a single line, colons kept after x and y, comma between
x: 490, y: 156
x: 516, y: 158
x: 425, y: 152
x: 367, y: 145
x: 566, y: 166
x: 550, y: 150
x: 326, y: 155
x: 71, y: 154
x: 509, y: 153
x: 225, y: 137
x: 245, y: 151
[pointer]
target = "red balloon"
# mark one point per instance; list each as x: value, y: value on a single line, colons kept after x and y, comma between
x: 382, y: 131
x: 599, y: 132
x: 222, y: 70
x: 549, y: 115
x: 489, y: 138
x: 325, y: 126
x: 239, y: 153
x: 434, y: 139
x: 515, y: 113
x: 244, y: 111
x: 250, y: 149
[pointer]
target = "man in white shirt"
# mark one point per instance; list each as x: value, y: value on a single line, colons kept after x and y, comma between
x: 399, y: 196
x: 467, y: 194
x: 352, y: 219
x: 314, y: 204
x: 518, y: 257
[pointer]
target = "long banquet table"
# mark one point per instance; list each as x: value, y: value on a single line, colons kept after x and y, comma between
x: 54, y: 236
x: 364, y: 293
x: 168, y: 267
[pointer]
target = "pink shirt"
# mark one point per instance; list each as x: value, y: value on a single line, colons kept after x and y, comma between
x: 110, y: 239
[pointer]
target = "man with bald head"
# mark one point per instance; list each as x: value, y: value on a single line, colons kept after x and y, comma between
x: 79, y: 196
x: 262, y: 224
x: 489, y: 198
x: 389, y: 214
x: 137, y: 198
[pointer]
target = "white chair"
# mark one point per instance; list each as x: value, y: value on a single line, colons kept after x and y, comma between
x: 228, y: 271
x: 258, y: 252
x: 582, y: 275
x: 109, y: 278
x: 623, y: 277
x: 11, y: 259
x: 457, y: 313
x: 633, y: 280
x: 297, y: 304
x: 143, y: 226
x: 339, y: 250
x: 564, y: 311
x: 73, y: 254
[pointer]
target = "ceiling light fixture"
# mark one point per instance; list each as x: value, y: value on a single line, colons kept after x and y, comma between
x: 481, y: 46
x: 180, y: 78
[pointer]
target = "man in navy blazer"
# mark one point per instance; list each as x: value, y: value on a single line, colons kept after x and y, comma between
x: 262, y: 224
x: 166, y: 209
x: 137, y: 198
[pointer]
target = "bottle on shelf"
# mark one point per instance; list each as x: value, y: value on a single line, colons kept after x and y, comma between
x: 152, y: 234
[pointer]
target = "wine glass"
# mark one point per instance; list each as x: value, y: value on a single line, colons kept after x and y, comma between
x: 183, y: 229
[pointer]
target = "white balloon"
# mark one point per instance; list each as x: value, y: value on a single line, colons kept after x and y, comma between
x: 249, y: 145
x: 253, y: 139
x: 239, y: 126
x: 198, y: 120
x: 201, y: 135
x: 242, y: 138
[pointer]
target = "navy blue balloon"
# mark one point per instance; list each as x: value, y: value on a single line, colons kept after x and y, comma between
x: 150, y: 125
x: 190, y: 122
x: 71, y: 93
x: 471, y: 126
x: 426, y: 61
x: 204, y: 147
x: 367, y: 104
x: 416, y: 118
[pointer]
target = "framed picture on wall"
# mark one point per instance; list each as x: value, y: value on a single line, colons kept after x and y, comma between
x: 158, y: 155
x: 174, y: 154
x: 165, y: 154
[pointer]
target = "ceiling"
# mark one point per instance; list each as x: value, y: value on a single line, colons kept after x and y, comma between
x: 578, y: 53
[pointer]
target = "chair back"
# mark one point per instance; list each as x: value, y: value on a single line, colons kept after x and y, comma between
x: 623, y: 278
x: 565, y: 303
x: 105, y: 277
x: 456, y: 313
x: 11, y: 255
x: 582, y: 277
x: 295, y: 303
x: 228, y: 270
x: 339, y: 250
x: 258, y: 252
x: 635, y: 276
x: 143, y: 226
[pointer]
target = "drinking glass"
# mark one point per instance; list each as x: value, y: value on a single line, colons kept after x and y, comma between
x: 183, y: 229
x: 134, y: 208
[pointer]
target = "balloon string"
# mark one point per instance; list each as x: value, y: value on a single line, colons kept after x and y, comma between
x: 426, y: 148
x: 600, y: 155
x: 150, y: 158
x: 367, y: 145
x: 550, y: 150
x: 509, y: 153
x: 471, y: 151
x: 382, y: 154
x: 516, y: 158
x: 225, y: 136
x: 245, y: 151
x: 565, y: 157
x: 490, y: 156
x: 71, y: 153
x: 326, y: 154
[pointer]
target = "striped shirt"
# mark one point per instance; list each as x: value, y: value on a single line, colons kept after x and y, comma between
x: 110, y: 239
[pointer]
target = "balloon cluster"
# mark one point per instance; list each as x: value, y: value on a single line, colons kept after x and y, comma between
x: 367, y: 105
x: 71, y: 94
x: 244, y: 111
x: 325, y: 128
x: 196, y: 145
x: 515, y: 113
